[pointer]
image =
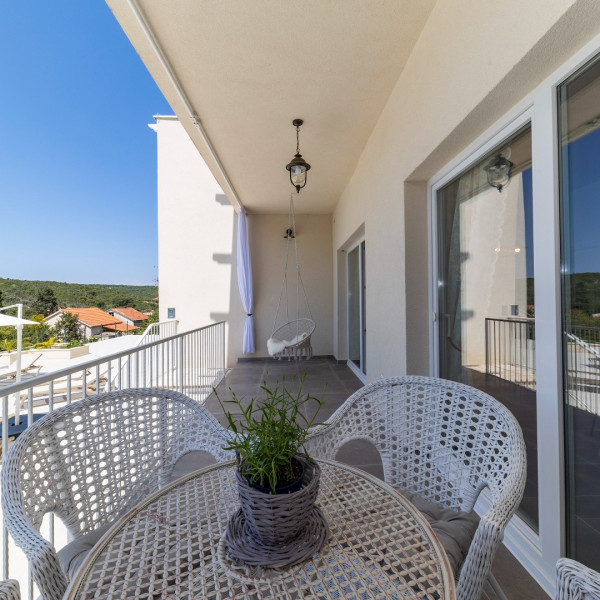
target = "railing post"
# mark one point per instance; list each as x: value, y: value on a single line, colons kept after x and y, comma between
x: 487, y: 346
x: 180, y: 363
x: 223, y: 355
x: 5, y: 574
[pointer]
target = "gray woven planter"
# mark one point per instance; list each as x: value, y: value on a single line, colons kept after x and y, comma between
x: 277, y: 518
x: 277, y: 529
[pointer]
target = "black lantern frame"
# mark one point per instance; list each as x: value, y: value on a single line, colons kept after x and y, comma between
x: 498, y: 172
x: 298, y: 167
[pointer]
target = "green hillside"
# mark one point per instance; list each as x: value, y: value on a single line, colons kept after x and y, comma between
x: 75, y: 295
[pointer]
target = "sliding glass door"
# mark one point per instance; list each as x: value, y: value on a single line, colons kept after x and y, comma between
x: 579, y: 151
x: 486, y: 324
x: 357, y: 309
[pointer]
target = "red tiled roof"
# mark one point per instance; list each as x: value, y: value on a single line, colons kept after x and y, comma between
x: 92, y: 316
x: 131, y: 313
x: 120, y: 327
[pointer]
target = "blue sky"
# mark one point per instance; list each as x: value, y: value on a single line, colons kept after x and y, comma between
x: 77, y: 159
x: 583, y: 186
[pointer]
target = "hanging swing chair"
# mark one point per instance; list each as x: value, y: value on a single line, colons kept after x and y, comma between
x: 292, y: 339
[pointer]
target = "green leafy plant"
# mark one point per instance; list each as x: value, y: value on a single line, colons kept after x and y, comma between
x: 268, y: 434
x: 47, y: 344
x: 7, y: 345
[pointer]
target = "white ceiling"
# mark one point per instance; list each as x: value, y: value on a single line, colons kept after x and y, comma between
x: 248, y: 68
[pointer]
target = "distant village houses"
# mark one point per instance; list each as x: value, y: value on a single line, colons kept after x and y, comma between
x: 95, y: 322
x: 130, y: 316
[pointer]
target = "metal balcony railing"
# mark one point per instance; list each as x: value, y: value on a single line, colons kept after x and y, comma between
x: 510, y: 350
x: 510, y: 355
x: 191, y: 363
x: 583, y: 368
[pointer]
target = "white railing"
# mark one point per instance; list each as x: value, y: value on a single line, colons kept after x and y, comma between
x: 510, y: 350
x: 583, y: 372
x: 191, y: 363
x: 510, y: 355
x: 158, y: 331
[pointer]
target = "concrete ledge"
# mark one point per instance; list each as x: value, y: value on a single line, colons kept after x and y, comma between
x: 64, y: 353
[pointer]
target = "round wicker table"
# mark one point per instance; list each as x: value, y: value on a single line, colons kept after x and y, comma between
x: 171, y: 546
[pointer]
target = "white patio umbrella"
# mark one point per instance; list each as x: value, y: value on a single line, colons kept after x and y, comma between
x: 8, y: 321
x: 18, y: 322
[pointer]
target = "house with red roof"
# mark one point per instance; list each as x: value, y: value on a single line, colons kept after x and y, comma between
x: 93, y: 321
x: 129, y: 316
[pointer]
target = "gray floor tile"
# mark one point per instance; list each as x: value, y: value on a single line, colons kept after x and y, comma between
x: 514, y: 580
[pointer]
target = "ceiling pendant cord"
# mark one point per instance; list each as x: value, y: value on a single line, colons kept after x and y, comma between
x: 284, y: 286
x: 299, y: 282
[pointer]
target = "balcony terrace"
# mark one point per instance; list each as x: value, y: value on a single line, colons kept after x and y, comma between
x: 333, y: 382
x: 193, y: 362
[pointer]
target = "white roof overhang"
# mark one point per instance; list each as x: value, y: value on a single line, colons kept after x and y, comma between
x: 237, y: 73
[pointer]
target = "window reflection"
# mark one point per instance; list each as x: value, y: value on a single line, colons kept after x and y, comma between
x: 579, y: 122
x: 487, y: 308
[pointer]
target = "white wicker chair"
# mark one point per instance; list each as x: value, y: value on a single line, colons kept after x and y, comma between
x: 445, y: 442
x: 91, y: 461
x: 575, y: 581
x: 9, y: 590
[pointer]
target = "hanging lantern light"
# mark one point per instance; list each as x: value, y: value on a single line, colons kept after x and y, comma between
x: 498, y: 172
x: 298, y: 167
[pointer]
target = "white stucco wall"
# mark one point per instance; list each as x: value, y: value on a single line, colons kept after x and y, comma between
x: 197, y: 253
x: 196, y: 226
x: 447, y: 95
x: 268, y: 259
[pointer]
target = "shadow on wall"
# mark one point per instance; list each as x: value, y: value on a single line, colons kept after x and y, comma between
x: 234, y: 318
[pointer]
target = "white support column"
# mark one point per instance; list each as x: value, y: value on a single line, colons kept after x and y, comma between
x: 548, y: 332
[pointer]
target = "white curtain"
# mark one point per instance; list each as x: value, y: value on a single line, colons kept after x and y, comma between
x: 244, y: 271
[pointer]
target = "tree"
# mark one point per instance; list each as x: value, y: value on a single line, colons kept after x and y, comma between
x: 1, y: 298
x: 45, y: 302
x: 67, y: 328
x: 36, y: 334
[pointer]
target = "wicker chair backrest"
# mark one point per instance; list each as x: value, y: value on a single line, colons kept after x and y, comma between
x: 92, y: 460
x: 575, y: 581
x: 439, y: 439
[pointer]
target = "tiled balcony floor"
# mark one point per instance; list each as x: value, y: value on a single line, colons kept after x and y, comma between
x: 333, y: 383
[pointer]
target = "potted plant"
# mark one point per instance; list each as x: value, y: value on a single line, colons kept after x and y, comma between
x: 277, y: 480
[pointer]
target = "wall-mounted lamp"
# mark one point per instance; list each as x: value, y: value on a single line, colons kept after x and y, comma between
x: 298, y: 167
x: 498, y: 172
x: 289, y: 234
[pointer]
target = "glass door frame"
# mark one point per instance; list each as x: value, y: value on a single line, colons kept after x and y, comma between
x: 360, y: 372
x: 537, y: 552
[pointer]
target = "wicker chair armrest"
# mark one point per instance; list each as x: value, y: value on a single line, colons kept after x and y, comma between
x: 9, y: 590
x: 574, y: 580
x: 41, y: 555
x: 46, y: 571
x: 43, y: 561
x: 477, y: 564
x: 489, y: 535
